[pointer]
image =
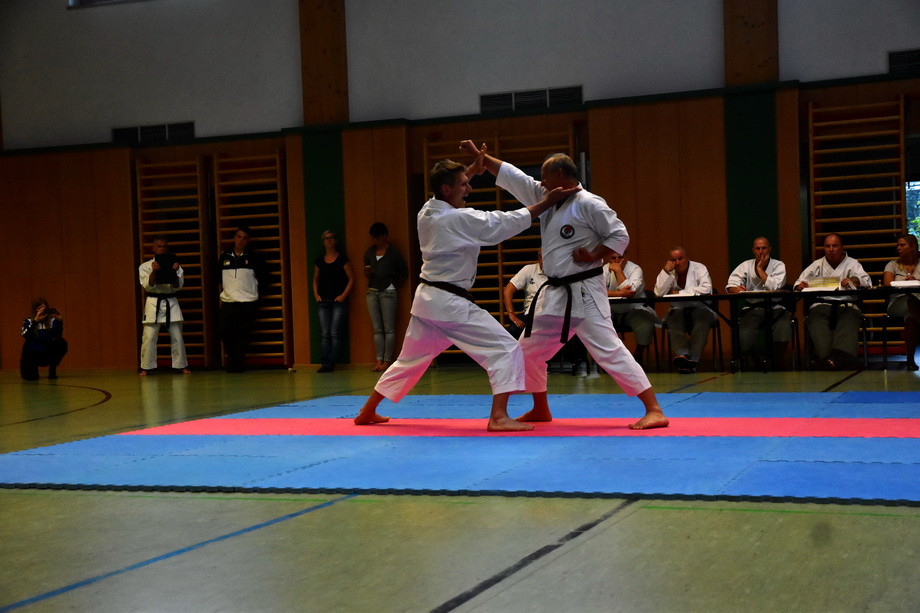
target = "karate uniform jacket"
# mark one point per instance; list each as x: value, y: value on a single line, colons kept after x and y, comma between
x: 583, y: 220
x: 152, y: 314
x: 450, y: 240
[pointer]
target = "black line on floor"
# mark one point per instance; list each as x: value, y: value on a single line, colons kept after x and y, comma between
x: 468, y: 595
x: 106, y: 396
x: 842, y: 381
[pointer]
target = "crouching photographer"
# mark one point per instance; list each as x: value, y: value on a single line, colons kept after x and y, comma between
x: 43, y: 341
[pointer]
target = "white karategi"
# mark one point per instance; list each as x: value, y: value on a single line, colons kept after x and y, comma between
x: 157, y: 311
x: 583, y: 220
x: 683, y: 342
x: 450, y: 240
x: 751, y: 318
x: 641, y: 318
x: 833, y: 323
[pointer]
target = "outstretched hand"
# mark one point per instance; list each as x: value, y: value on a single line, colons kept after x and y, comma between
x: 560, y: 194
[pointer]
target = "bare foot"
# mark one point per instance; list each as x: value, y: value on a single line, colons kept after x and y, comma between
x: 384, y: 366
x: 506, y: 424
x: 652, y: 419
x: 536, y: 415
x: 186, y: 371
x: 378, y: 367
x: 142, y: 373
x: 366, y: 420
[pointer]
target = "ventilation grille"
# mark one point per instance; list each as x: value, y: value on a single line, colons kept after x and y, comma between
x: 904, y: 61
x: 530, y: 100
x: 88, y: 4
x: 154, y: 135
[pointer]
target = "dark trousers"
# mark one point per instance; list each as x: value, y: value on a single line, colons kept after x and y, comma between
x: 36, y: 354
x: 236, y: 322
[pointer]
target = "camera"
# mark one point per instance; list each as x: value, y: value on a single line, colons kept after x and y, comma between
x: 51, y: 311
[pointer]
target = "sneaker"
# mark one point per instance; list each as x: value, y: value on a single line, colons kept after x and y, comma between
x: 681, y: 362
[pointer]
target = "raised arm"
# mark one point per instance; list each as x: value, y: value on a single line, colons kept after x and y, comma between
x: 488, y: 162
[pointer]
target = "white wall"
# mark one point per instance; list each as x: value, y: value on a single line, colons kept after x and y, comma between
x: 233, y: 66
x: 70, y: 76
x: 431, y: 58
x: 832, y: 39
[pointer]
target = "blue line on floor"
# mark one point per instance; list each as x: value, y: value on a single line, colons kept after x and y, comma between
x: 172, y: 554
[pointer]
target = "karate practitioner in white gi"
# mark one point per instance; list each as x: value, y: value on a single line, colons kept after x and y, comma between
x: 761, y: 274
x: 624, y: 279
x: 833, y: 321
x: 161, y: 308
x: 450, y: 237
x: 577, y: 235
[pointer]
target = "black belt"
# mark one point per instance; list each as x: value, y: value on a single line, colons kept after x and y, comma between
x: 561, y: 282
x: 160, y: 299
x: 449, y: 287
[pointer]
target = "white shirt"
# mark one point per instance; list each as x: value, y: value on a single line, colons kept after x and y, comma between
x: 584, y: 220
x: 450, y: 240
x: 635, y: 280
x: 530, y: 279
x: 698, y: 283
x: 151, y: 314
x: 746, y: 274
x: 848, y: 267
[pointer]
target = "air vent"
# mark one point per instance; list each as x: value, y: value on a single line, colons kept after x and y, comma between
x: 126, y: 136
x: 154, y: 135
x: 530, y: 100
x: 496, y: 103
x: 180, y: 131
x: 904, y: 61
x: 88, y: 4
x: 565, y: 96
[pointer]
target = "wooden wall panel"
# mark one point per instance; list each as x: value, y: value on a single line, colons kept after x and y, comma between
x: 659, y: 222
x: 613, y: 169
x: 324, y: 61
x: 301, y: 292
x: 114, y: 217
x: 789, y: 184
x: 376, y: 189
x: 702, y: 186
x: 751, y: 41
x: 54, y: 211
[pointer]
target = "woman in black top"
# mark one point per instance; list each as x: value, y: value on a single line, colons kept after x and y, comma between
x: 332, y: 281
x: 384, y: 268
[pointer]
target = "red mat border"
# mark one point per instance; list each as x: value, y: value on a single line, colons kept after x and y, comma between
x: 685, y: 426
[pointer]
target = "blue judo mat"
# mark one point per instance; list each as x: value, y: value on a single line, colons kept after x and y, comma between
x: 875, y: 470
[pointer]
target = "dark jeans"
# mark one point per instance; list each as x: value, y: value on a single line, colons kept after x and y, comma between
x: 35, y: 354
x: 332, y: 316
x: 236, y: 321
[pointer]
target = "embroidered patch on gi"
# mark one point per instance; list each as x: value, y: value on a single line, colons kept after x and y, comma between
x: 567, y: 231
